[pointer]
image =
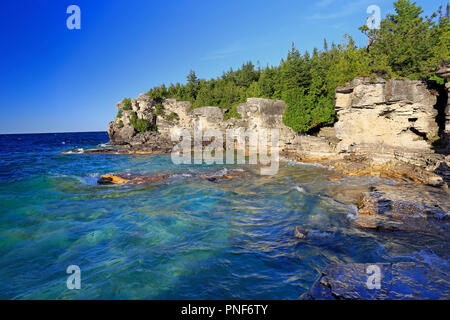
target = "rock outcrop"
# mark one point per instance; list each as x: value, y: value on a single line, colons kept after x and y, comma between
x: 385, y: 116
x: 389, y: 126
x: 171, y: 114
x: 444, y: 72
x: 405, y: 207
x: 131, y: 178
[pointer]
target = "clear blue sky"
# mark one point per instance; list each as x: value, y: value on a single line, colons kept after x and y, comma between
x: 59, y: 80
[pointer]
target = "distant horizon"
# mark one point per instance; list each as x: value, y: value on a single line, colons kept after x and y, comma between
x: 25, y: 133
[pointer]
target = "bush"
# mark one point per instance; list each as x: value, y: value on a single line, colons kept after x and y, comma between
x: 119, y: 114
x: 140, y: 125
x: 232, y: 113
x: 126, y: 104
x: 296, y: 115
x: 159, y: 109
x: 120, y: 124
x: 172, y: 116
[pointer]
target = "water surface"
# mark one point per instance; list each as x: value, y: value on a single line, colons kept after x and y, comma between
x: 185, y: 238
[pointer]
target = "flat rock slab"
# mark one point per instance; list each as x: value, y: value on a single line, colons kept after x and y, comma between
x: 405, y: 207
x: 132, y: 178
x: 399, y: 281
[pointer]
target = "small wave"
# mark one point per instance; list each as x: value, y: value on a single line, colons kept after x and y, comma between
x: 311, y: 164
x: 442, y: 215
x: 78, y: 150
x: 430, y: 258
x: 320, y: 234
x: 354, y: 212
x: 299, y: 189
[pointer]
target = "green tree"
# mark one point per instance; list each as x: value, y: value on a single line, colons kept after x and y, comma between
x: 192, y: 86
x: 405, y: 40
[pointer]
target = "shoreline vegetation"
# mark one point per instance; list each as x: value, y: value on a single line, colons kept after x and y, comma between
x: 407, y: 46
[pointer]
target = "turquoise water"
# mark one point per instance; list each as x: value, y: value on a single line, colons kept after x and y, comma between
x: 184, y: 238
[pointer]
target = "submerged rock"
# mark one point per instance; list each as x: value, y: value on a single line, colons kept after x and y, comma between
x: 130, y: 178
x: 403, y: 280
x: 300, y: 233
x: 225, y: 176
x: 123, y: 178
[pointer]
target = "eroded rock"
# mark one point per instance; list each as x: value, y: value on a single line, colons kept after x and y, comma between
x: 300, y: 233
x: 396, y: 114
x: 131, y: 178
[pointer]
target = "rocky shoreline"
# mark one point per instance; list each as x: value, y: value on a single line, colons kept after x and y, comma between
x: 395, y: 129
x: 390, y: 128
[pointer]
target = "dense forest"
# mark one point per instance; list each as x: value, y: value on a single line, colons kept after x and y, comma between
x: 407, y: 45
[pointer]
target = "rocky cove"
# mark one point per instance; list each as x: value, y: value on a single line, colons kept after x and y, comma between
x: 392, y: 129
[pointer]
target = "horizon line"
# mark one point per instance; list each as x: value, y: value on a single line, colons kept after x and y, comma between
x: 19, y: 133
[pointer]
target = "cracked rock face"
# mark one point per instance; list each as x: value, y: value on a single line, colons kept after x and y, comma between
x: 405, y: 207
x: 377, y: 113
x: 256, y: 113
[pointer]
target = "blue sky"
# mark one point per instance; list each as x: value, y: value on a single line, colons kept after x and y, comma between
x: 58, y: 80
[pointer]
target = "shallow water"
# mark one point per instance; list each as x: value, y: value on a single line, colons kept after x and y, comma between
x: 185, y: 238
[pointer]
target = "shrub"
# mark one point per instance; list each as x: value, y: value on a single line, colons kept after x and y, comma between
x: 159, y: 109
x: 232, y: 113
x: 119, y: 114
x: 120, y: 124
x: 296, y: 114
x: 126, y: 104
x: 304, y: 112
x: 140, y: 125
x: 172, y: 116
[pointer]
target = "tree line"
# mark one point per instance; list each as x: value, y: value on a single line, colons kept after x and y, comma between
x: 407, y: 45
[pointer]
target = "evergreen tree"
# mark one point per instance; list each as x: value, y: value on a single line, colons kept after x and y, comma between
x: 407, y: 45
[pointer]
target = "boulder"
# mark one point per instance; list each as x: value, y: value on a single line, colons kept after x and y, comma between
x: 300, y: 233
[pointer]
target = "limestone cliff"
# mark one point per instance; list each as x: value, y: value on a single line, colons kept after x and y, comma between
x: 379, y: 121
x: 380, y: 115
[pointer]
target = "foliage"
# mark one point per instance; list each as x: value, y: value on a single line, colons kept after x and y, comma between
x: 407, y: 46
x: 126, y: 104
x: 410, y: 45
x: 119, y: 114
x: 140, y: 125
x: 172, y: 116
x: 232, y: 113
x: 159, y: 109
